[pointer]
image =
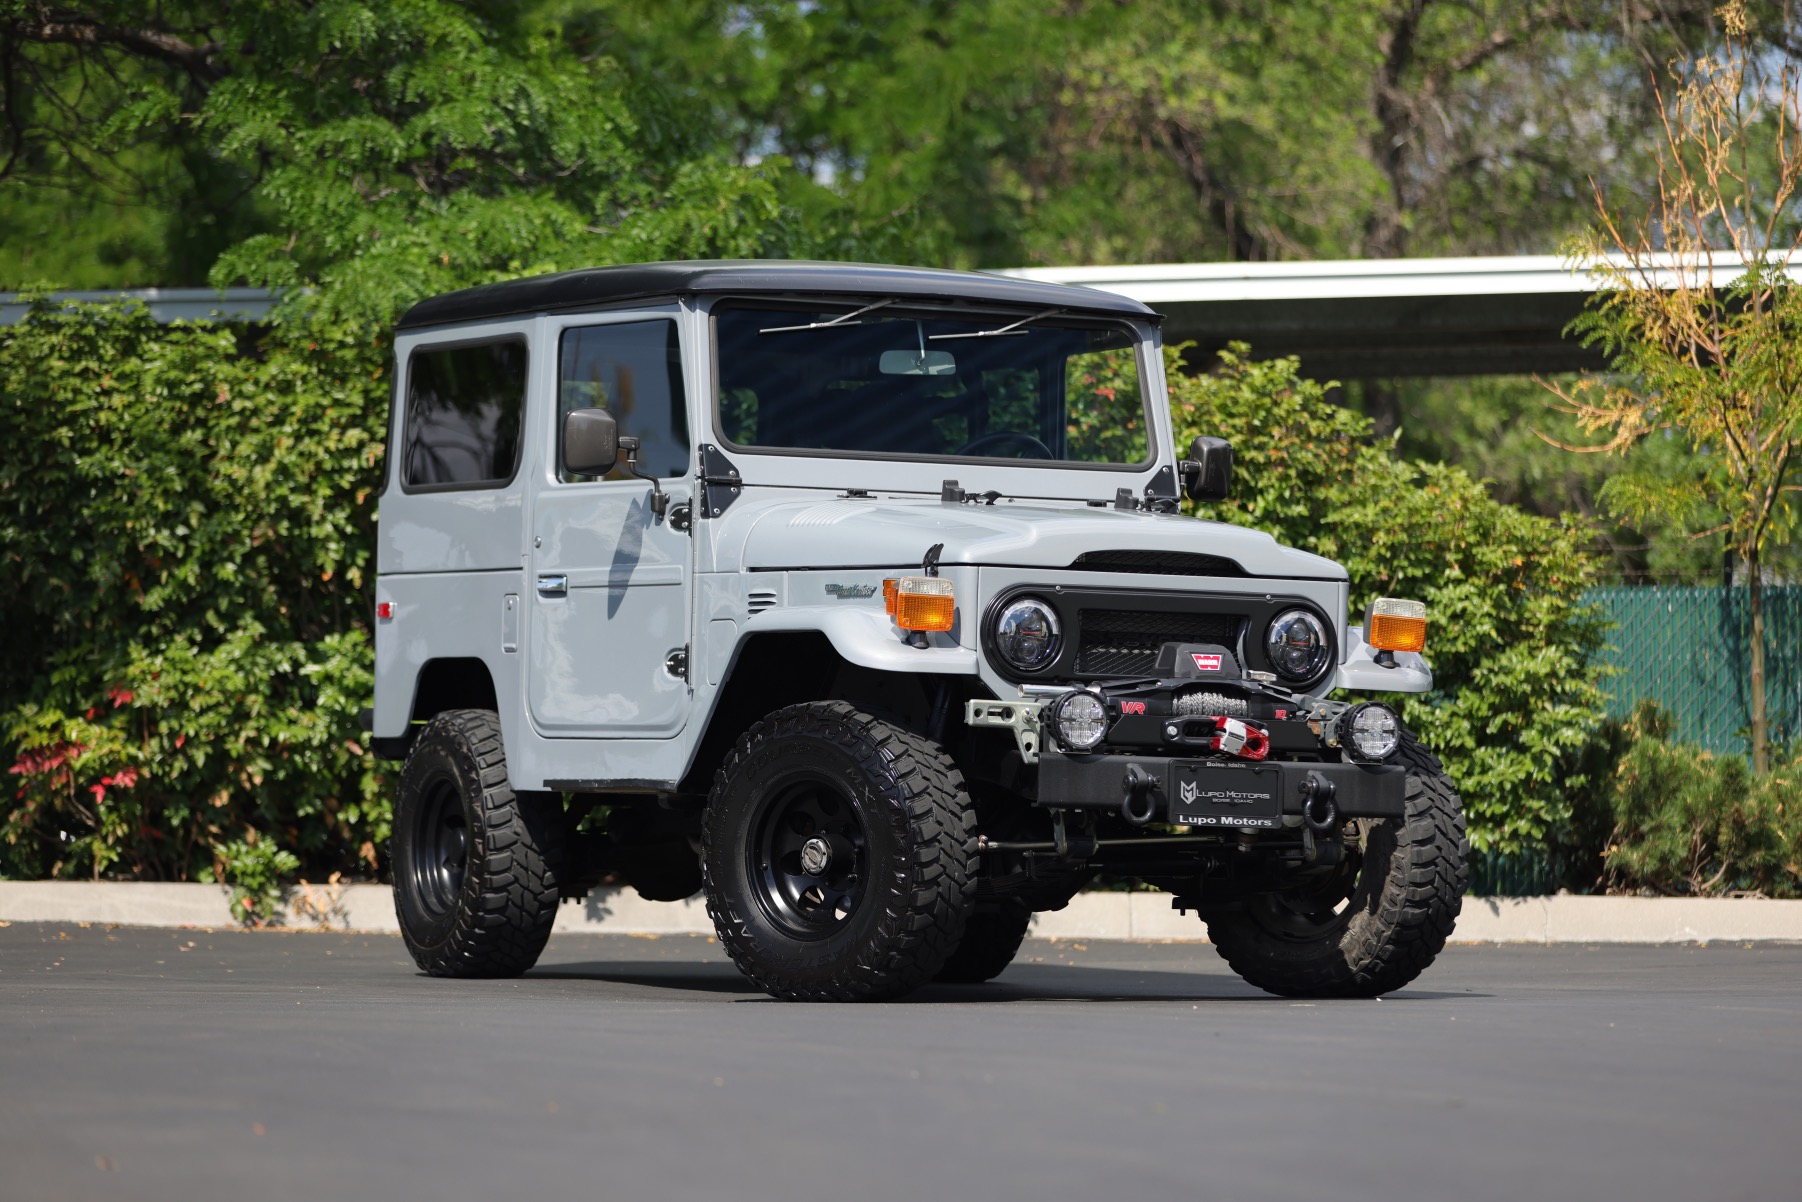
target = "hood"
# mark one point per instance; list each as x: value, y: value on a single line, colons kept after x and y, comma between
x: 854, y: 532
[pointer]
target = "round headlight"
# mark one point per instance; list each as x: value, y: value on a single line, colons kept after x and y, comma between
x: 1026, y: 634
x: 1081, y: 721
x: 1370, y: 730
x: 1297, y: 645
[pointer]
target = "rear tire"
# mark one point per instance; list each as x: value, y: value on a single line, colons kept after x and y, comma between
x: 991, y: 940
x: 839, y: 853
x: 475, y: 880
x: 1402, y: 904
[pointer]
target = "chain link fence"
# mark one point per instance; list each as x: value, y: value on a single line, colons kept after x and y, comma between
x: 1687, y: 649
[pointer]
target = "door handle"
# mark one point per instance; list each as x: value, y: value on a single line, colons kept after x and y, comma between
x: 553, y: 586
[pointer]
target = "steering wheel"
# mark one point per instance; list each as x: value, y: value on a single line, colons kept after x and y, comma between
x: 1035, y: 448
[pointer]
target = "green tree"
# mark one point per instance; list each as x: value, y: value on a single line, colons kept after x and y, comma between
x: 1708, y: 341
x: 1003, y: 132
x: 378, y: 152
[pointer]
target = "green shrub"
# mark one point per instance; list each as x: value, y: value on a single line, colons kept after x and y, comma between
x: 1687, y: 821
x: 1512, y: 645
x: 255, y: 871
x: 185, y: 533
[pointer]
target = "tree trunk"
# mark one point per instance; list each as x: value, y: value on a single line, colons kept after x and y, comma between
x: 1761, y: 754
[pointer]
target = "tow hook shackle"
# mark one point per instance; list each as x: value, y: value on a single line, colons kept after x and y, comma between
x: 1228, y: 736
x: 1138, y: 796
x: 1317, y: 808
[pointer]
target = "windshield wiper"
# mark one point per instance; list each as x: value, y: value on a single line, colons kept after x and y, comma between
x: 821, y: 325
x: 1012, y: 328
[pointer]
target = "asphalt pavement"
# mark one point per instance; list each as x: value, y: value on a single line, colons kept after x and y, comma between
x: 156, y: 1064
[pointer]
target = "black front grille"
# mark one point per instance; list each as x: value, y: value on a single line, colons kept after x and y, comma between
x: 1126, y: 642
x: 1161, y: 563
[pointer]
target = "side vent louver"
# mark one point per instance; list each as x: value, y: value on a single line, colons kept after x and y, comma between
x: 761, y: 599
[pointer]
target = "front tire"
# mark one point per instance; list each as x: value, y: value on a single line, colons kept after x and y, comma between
x: 475, y: 882
x: 1401, y: 907
x: 839, y: 855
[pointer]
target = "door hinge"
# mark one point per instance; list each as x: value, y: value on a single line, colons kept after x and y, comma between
x: 719, y: 485
x: 676, y: 663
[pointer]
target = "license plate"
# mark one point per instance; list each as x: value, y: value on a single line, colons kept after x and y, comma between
x: 1221, y: 795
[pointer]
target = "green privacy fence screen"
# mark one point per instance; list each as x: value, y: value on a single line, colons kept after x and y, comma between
x: 1686, y: 648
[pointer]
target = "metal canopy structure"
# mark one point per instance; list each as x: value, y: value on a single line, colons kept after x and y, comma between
x: 166, y: 304
x: 1357, y: 319
x: 1348, y: 319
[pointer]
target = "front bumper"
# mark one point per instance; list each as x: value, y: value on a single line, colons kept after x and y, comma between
x: 1199, y: 792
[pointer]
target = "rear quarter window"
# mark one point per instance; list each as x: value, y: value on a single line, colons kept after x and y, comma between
x: 464, y: 414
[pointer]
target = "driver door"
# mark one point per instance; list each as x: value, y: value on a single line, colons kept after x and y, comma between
x: 610, y: 582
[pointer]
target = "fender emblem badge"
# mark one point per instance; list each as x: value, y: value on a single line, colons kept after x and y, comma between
x: 852, y: 591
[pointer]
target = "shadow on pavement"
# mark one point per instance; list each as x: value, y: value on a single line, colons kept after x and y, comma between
x: 1022, y: 983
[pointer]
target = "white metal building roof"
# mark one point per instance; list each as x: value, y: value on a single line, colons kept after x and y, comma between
x: 1370, y: 318
x: 1164, y: 283
x: 1495, y: 275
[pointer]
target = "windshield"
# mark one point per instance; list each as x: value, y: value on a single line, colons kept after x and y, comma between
x: 882, y: 380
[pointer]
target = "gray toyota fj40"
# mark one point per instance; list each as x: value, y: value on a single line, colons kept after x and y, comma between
x: 858, y: 598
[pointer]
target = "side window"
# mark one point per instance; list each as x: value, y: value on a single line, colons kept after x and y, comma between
x: 464, y: 409
x: 634, y: 370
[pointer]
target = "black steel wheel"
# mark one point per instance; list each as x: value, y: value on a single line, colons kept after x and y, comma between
x: 1376, y: 923
x: 436, y: 856
x: 475, y: 864
x: 809, y: 858
x: 839, y: 855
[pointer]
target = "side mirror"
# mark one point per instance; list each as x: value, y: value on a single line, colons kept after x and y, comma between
x: 590, y: 442
x: 1208, y: 471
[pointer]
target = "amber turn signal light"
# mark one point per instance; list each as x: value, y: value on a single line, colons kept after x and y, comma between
x: 921, y: 602
x: 1391, y: 624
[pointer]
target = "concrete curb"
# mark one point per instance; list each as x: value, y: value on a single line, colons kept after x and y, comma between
x: 1137, y: 916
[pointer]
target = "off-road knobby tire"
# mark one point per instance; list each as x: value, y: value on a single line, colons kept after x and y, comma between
x: 501, y: 916
x: 991, y: 940
x: 1400, y: 913
x: 920, y: 833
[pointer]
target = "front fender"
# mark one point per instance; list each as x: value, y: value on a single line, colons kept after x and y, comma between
x: 1360, y: 671
x: 866, y: 637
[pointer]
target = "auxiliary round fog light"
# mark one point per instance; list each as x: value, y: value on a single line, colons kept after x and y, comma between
x: 1370, y: 730
x: 1081, y: 721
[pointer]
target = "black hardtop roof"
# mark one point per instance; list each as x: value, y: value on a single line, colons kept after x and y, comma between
x: 594, y: 286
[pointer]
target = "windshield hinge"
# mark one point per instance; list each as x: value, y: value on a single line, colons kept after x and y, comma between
x: 1160, y: 494
x: 719, y: 483
x: 952, y: 494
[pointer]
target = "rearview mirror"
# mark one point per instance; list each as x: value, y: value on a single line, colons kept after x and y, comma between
x: 917, y: 363
x: 1208, y: 471
x: 590, y: 442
